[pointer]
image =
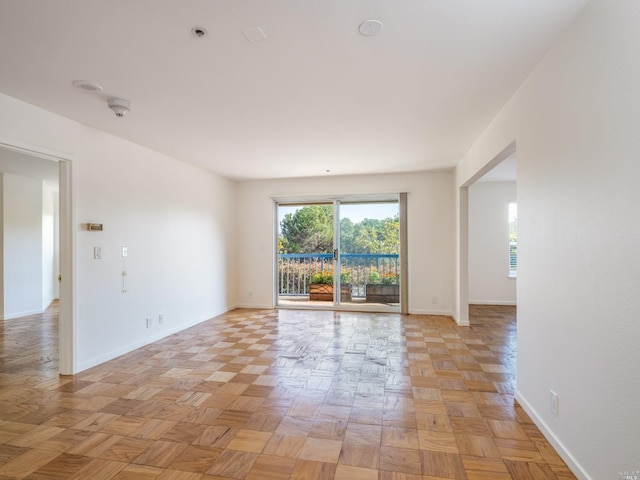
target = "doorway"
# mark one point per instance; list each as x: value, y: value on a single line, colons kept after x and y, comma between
x: 340, y: 254
x: 486, y: 247
x: 21, y: 160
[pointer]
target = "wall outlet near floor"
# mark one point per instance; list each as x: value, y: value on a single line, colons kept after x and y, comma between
x: 250, y: 294
x: 160, y: 319
x: 553, y: 398
x: 435, y: 299
x: 149, y: 322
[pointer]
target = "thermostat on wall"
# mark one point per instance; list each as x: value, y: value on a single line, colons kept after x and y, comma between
x: 94, y: 227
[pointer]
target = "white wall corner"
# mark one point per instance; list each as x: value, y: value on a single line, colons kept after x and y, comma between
x: 559, y: 447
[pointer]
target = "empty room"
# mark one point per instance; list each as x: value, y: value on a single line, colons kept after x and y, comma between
x: 319, y: 240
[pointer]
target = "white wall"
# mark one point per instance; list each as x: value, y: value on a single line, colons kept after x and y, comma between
x: 178, y: 222
x: 489, y: 281
x: 430, y: 232
x: 56, y: 245
x: 48, y: 244
x: 22, y: 252
x: 2, y: 244
x: 576, y: 122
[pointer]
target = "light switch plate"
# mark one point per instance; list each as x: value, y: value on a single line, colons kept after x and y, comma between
x: 124, y: 251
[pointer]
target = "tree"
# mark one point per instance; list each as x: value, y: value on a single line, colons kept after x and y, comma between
x: 308, y: 230
x: 347, y: 235
x: 377, y: 236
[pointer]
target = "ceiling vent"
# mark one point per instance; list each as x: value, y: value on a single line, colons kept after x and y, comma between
x: 369, y: 28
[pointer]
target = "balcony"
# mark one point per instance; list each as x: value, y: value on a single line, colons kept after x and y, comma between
x: 295, y: 273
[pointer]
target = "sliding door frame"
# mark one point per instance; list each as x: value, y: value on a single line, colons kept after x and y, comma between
x: 401, y: 198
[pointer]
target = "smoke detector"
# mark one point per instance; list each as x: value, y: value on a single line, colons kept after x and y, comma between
x: 119, y: 106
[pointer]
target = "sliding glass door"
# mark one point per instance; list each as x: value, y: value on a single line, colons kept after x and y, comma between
x: 344, y: 254
x: 369, y: 254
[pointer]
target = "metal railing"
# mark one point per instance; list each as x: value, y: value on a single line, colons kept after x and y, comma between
x: 295, y: 270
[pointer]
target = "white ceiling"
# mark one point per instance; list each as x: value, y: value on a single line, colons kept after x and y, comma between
x: 505, y: 171
x: 315, y: 96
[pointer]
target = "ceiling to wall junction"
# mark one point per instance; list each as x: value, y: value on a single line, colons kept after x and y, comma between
x: 314, y: 97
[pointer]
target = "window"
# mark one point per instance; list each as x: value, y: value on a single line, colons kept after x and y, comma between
x: 513, y: 239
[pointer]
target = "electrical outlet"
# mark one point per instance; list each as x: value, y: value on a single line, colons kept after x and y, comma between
x: 149, y: 322
x: 160, y: 319
x: 553, y: 397
x: 250, y: 294
x: 435, y: 299
x: 97, y: 253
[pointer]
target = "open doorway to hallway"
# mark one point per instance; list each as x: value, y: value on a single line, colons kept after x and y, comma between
x: 492, y: 236
x: 29, y: 261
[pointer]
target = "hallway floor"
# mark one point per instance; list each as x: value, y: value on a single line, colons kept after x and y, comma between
x: 262, y: 394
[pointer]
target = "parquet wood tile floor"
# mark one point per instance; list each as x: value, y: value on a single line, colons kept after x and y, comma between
x: 262, y: 394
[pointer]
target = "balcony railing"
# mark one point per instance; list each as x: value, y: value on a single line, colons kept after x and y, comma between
x: 295, y: 270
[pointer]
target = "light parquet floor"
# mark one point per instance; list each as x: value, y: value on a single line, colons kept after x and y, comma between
x: 261, y: 394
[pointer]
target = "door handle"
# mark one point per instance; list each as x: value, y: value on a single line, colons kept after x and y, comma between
x: 335, y: 254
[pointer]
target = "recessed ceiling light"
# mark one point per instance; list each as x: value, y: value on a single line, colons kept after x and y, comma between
x: 370, y: 28
x: 199, y: 32
x: 87, y: 85
x: 254, y: 34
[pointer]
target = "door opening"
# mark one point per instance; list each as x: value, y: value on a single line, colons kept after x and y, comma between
x: 342, y: 255
x: 23, y: 156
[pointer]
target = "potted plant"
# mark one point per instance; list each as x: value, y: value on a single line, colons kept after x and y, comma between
x: 321, y: 287
x: 383, y: 288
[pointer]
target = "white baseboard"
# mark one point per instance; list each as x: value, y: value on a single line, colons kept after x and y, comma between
x: 105, y: 357
x: 26, y: 313
x: 258, y: 306
x: 445, y: 313
x: 493, y: 302
x: 569, y: 459
x: 414, y: 311
x: 460, y: 322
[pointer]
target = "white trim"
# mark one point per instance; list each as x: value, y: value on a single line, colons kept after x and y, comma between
x: 508, y: 303
x: 447, y: 313
x: 462, y: 310
x: 382, y: 197
x: 459, y: 322
x: 26, y: 313
x: 68, y: 338
x: 255, y: 306
x: 559, y: 447
x: 33, y: 150
x: 29, y: 312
